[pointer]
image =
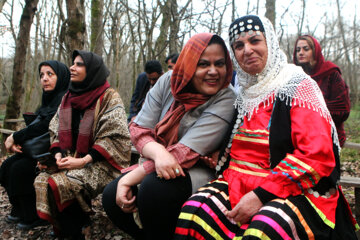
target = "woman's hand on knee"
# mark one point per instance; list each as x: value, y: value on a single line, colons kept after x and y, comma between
x: 168, y: 169
x: 247, y: 207
x: 124, y: 197
x: 166, y: 166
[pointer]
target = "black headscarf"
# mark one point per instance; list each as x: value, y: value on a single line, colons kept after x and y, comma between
x: 96, y: 72
x: 52, y: 99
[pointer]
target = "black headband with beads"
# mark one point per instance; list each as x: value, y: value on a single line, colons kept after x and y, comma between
x: 249, y: 23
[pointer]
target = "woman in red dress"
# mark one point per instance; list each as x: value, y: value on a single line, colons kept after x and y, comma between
x: 279, y: 169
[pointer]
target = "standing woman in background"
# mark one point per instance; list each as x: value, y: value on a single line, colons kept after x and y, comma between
x: 18, y: 172
x: 307, y: 54
x: 91, y: 144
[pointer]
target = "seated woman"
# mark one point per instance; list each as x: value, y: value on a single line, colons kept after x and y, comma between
x: 187, y: 107
x: 18, y: 172
x: 307, y: 54
x: 279, y: 170
x: 91, y: 144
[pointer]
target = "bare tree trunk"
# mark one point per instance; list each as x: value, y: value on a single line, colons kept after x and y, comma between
x: 30, y: 86
x: 27, y: 81
x: 142, y: 48
x: 174, y: 27
x: 176, y: 18
x: 118, y: 44
x: 61, y: 30
x: 356, y: 63
x: 2, y: 2
x: 97, y: 29
x: 133, y: 43
x: 76, y: 29
x: 9, y: 17
x: 162, y: 40
x: 221, y: 17
x: 301, y: 23
x: 233, y: 10
x: 270, y: 11
x: 14, y: 101
x: 348, y: 69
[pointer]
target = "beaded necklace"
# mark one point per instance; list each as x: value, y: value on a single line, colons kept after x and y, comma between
x: 224, y: 158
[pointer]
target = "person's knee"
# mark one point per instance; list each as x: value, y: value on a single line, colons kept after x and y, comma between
x: 23, y: 168
x: 155, y: 192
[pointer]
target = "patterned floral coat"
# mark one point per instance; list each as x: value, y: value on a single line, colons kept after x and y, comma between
x: 111, y: 139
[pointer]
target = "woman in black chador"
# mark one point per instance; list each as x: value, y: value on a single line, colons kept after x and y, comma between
x: 17, y: 173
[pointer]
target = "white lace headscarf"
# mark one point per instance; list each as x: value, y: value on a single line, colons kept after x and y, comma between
x: 278, y: 79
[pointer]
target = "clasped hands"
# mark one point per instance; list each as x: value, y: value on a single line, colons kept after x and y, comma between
x: 68, y: 162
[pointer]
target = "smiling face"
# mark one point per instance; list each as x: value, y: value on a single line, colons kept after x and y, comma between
x: 48, y: 78
x: 251, y: 52
x: 210, y: 73
x: 304, y: 53
x: 78, y: 70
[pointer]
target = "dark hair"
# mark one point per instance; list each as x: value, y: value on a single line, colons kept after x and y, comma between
x: 172, y: 56
x: 175, y: 58
x: 218, y: 40
x: 153, y: 66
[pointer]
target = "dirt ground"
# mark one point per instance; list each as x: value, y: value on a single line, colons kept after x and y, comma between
x: 101, y: 227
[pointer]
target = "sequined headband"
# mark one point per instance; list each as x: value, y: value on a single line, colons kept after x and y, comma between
x: 250, y: 23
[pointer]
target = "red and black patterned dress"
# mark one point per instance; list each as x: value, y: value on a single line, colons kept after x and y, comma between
x: 293, y: 208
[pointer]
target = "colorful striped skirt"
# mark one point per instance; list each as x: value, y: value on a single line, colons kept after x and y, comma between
x: 202, y: 217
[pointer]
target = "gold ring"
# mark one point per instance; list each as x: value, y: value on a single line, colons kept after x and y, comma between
x: 177, y: 171
x: 159, y: 176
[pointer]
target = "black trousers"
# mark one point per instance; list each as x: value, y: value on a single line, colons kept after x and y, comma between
x: 17, y: 175
x: 159, y: 203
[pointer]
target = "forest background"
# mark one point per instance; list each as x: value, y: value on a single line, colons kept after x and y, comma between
x: 128, y: 33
